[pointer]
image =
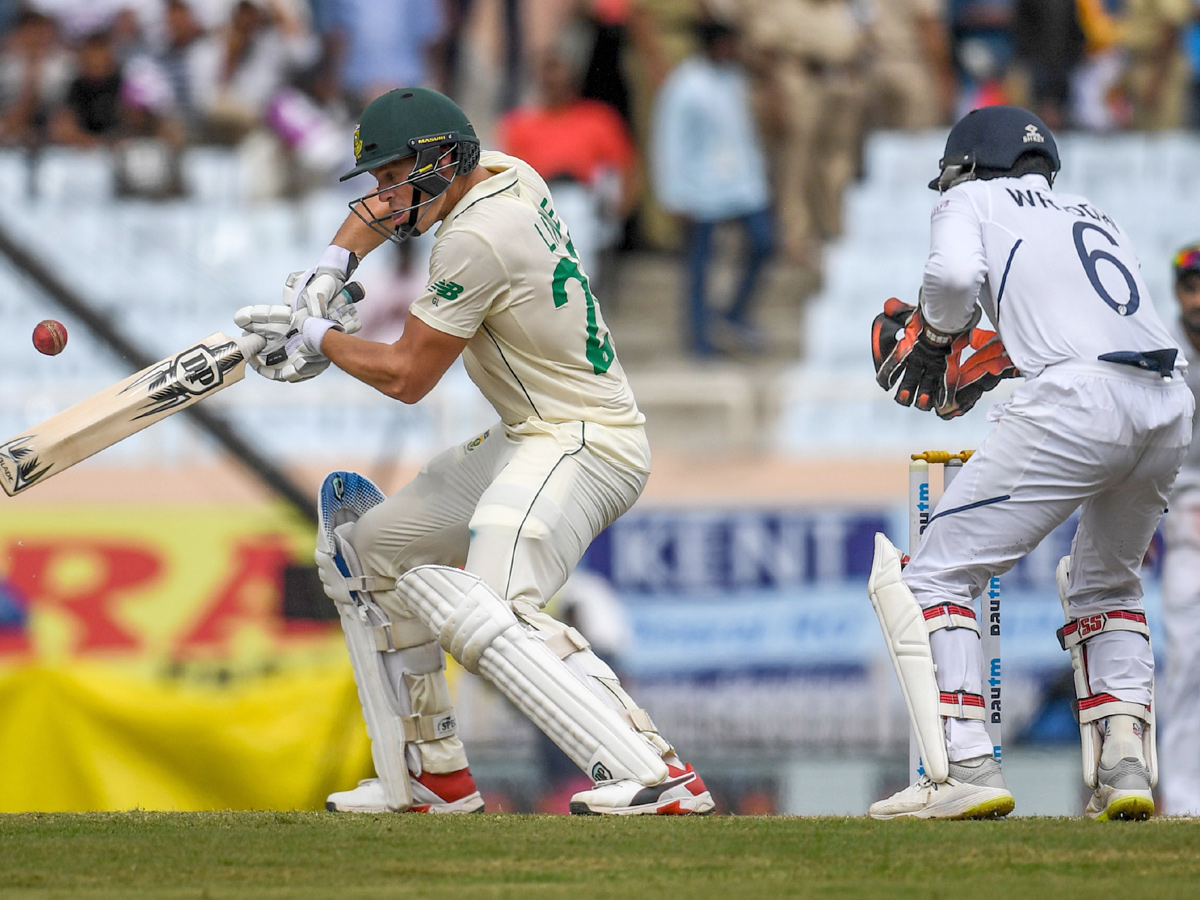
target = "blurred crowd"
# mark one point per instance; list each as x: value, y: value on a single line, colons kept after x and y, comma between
x: 657, y: 120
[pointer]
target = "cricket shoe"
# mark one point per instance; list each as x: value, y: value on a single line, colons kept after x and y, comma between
x: 454, y: 792
x: 1124, y: 792
x: 974, y: 790
x: 681, y: 793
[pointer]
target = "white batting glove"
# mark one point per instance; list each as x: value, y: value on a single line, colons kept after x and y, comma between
x: 319, y: 290
x: 286, y: 356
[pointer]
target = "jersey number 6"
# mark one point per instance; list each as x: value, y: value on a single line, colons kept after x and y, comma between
x: 1091, y: 259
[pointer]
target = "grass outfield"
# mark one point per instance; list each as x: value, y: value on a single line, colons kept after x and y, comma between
x: 324, y: 855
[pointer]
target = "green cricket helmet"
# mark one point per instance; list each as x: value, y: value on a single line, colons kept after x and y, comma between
x: 415, y: 122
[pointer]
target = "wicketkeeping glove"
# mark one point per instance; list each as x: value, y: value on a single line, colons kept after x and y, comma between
x: 908, y: 352
x: 979, y: 373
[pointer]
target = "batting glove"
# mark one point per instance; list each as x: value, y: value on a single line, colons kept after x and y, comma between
x: 286, y: 356
x: 319, y: 290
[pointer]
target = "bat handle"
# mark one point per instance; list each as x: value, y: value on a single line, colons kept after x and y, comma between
x: 354, y: 292
x: 251, y: 344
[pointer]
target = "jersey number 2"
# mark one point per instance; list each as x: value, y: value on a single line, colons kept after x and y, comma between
x: 599, y: 353
x: 1091, y: 259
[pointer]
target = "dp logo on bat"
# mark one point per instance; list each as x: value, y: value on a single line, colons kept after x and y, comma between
x: 197, y: 371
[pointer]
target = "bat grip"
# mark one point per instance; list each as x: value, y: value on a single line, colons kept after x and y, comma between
x: 250, y: 344
x: 354, y: 292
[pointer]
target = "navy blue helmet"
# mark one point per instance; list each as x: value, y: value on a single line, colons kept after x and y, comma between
x: 987, y: 142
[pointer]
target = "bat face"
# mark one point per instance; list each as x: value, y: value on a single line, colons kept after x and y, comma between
x: 120, y: 411
x: 183, y: 378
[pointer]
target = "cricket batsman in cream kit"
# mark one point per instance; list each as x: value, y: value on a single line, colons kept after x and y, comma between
x: 463, y: 558
x: 1101, y: 425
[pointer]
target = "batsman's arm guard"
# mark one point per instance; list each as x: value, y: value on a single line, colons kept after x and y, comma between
x: 481, y: 631
x: 1090, y: 708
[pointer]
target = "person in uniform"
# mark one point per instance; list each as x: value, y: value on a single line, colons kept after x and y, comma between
x: 807, y: 57
x: 1101, y: 425
x: 1181, y: 581
x: 465, y: 556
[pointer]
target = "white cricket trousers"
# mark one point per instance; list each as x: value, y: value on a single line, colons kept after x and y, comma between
x: 517, y: 508
x: 1105, y: 439
x: 1179, y: 688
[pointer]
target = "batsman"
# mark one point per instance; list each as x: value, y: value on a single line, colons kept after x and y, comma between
x: 1100, y: 425
x: 463, y: 558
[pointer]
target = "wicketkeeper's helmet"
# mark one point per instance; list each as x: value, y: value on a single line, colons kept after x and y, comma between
x: 987, y: 142
x: 412, y: 122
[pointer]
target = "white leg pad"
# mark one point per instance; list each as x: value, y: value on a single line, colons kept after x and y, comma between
x: 398, y: 665
x: 907, y: 638
x: 481, y: 631
x: 1091, y: 709
x: 569, y: 645
x: 385, y: 725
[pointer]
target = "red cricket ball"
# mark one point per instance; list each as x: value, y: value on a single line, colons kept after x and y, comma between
x: 50, y: 337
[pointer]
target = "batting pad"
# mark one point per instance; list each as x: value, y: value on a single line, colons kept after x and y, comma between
x: 1089, y: 708
x: 482, y: 633
x: 907, y: 639
x: 344, y: 497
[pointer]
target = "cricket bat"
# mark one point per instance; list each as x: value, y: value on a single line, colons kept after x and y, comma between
x: 127, y: 407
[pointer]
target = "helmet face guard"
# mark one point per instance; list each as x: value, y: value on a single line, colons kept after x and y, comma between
x: 434, y: 170
x: 418, y: 123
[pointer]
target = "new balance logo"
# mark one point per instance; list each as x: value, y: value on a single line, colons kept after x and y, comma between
x: 447, y: 290
x: 1033, y: 136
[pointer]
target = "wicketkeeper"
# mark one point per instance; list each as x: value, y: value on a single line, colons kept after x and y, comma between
x: 1100, y: 425
x: 464, y: 557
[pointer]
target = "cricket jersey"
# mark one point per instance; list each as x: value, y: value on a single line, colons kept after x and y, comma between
x: 1057, y: 277
x: 503, y: 274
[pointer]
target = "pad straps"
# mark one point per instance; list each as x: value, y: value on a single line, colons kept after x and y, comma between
x: 1078, y: 631
x: 961, y: 705
x: 950, y: 616
x: 1101, y: 706
x: 570, y: 641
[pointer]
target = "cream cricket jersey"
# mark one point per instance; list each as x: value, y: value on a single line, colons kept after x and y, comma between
x: 504, y: 275
x: 1057, y: 277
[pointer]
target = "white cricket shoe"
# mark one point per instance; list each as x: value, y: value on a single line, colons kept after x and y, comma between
x: 432, y: 793
x: 974, y: 790
x: 682, y: 793
x: 1124, y: 792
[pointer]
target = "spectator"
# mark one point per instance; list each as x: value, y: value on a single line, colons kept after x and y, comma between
x: 35, y: 70
x: 1157, y: 77
x: 182, y: 58
x: 91, y: 112
x: 982, y: 48
x: 1097, y: 103
x: 511, y: 76
x: 1181, y: 587
x: 1191, y: 43
x: 584, y: 151
x: 263, y: 44
x: 912, y: 81
x: 709, y: 169
x: 808, y: 56
x: 371, y: 47
x: 1050, y: 44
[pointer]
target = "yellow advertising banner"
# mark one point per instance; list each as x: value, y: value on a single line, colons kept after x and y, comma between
x: 145, y: 662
